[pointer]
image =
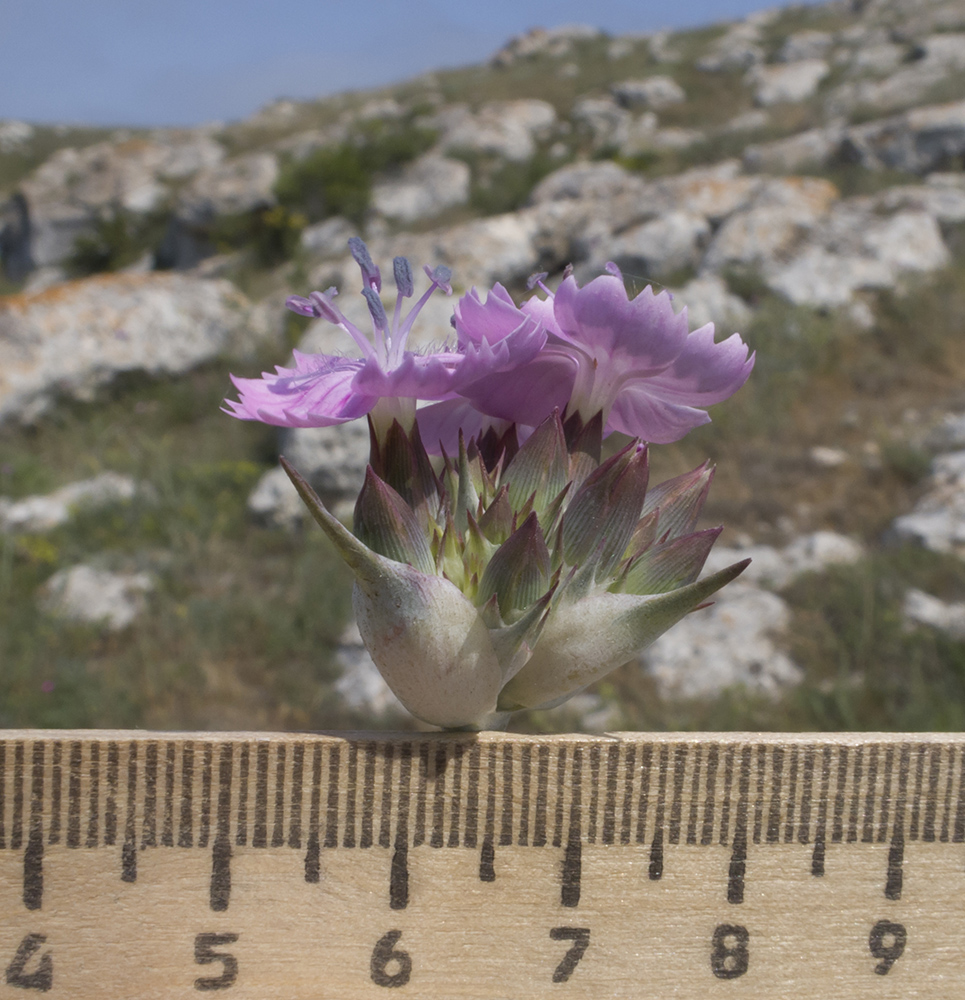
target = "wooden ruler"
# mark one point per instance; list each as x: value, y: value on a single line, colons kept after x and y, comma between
x: 482, y: 866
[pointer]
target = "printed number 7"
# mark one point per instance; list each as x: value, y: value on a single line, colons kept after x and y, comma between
x: 580, y: 936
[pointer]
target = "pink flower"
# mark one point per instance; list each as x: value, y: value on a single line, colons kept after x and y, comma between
x: 634, y: 360
x: 324, y: 389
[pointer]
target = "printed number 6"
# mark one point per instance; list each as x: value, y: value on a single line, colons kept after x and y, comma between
x: 386, y: 952
x: 204, y: 954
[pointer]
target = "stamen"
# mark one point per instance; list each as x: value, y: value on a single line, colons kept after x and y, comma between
x: 440, y: 276
x: 376, y: 310
x: 299, y: 304
x: 370, y: 272
x: 402, y: 270
x: 536, y: 279
x: 323, y: 307
x: 613, y: 269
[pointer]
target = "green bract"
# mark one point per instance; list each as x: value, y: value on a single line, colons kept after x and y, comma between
x: 512, y: 577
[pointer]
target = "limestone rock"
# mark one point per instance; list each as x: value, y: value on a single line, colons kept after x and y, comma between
x: 784, y: 82
x: 239, y: 185
x: 937, y: 521
x: 504, y: 128
x: 75, y: 337
x: 600, y: 179
x: 424, y: 189
x: 651, y: 92
x: 48, y: 511
x: 920, y: 608
x: 662, y: 246
x: 815, y: 147
x: 733, y: 642
x: 328, y: 238
x: 84, y: 593
x: 805, y: 45
x: 708, y: 300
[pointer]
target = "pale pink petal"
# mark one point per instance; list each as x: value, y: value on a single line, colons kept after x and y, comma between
x: 637, y: 413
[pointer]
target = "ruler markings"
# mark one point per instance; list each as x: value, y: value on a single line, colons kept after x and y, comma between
x: 469, y: 838
x: 295, y: 807
x: 629, y: 764
x: 459, y: 750
x: 777, y: 780
x: 931, y: 801
x: 710, y: 812
x: 959, y: 833
x: 610, y: 802
x: 886, y: 780
x: 820, y: 793
x: 541, y: 806
x: 643, y: 791
x: 3, y: 794
x: 656, y: 845
x: 759, y: 793
x: 56, y: 777
x: 278, y: 814
x: 129, y: 848
x: 204, y: 815
x: 526, y: 779
x: 422, y: 767
x: 385, y: 820
x: 244, y: 764
x: 399, y: 869
x: 506, y: 826
x: 93, y: 795
x: 351, y: 788
x: 694, y: 798
x: 487, y: 870
x: 837, y: 823
x: 186, y: 812
x: 723, y: 836
x: 821, y: 830
x: 572, y: 858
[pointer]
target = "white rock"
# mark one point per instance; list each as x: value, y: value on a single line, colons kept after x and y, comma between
x: 777, y: 568
x: 75, y: 337
x: 604, y: 119
x: 938, y: 519
x: 733, y: 642
x: 361, y: 685
x: 651, y: 92
x: 661, y: 246
x: 822, y: 279
x: 48, y: 511
x: 812, y: 148
x: 425, y: 188
x: 504, y: 128
x: 708, y: 300
x: 713, y: 192
x: 328, y: 238
x: 920, y: 608
x: 601, y: 179
x: 14, y: 134
x: 805, y: 45
x: 787, y: 82
x: 84, y: 593
x: 827, y: 458
x: 239, y: 185
x: 908, y: 241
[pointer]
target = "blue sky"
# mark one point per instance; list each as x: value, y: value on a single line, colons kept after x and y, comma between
x: 182, y: 62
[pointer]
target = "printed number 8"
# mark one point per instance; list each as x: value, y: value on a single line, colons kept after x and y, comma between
x: 729, y: 956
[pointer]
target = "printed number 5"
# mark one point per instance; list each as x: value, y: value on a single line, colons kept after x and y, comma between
x: 204, y: 954
x: 580, y: 936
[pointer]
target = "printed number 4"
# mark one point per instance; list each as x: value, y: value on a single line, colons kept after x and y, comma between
x: 43, y: 977
x: 204, y: 954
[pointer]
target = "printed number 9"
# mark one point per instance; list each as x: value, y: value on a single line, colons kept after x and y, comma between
x: 887, y: 942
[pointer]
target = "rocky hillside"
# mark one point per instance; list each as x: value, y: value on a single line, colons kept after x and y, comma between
x: 798, y: 176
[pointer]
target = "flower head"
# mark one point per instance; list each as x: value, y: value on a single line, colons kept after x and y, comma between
x: 388, y: 378
x: 633, y: 360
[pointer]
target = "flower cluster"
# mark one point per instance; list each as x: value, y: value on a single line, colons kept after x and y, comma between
x: 518, y: 566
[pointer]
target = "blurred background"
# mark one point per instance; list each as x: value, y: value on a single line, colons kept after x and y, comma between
x: 170, y: 173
